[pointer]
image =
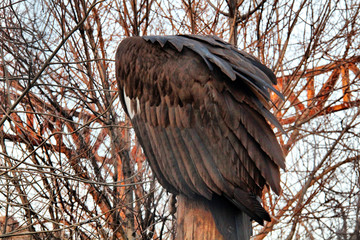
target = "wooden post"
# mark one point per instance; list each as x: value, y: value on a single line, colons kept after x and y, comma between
x: 201, y: 219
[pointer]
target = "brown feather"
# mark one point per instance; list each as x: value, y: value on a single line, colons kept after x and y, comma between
x: 189, y: 164
x: 153, y: 117
x: 177, y: 167
x: 202, y: 120
x: 143, y: 138
x: 161, y: 157
x: 202, y: 144
x: 199, y: 164
x: 162, y: 115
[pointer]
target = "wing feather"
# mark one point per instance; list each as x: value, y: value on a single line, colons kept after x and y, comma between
x: 253, y: 207
x: 174, y: 155
x: 202, y: 116
x: 162, y: 115
x: 190, y: 166
x: 161, y: 157
x: 199, y: 164
x: 201, y: 143
x: 170, y: 164
x: 143, y: 137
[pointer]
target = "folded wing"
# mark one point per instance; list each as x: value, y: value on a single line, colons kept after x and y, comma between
x: 200, y: 108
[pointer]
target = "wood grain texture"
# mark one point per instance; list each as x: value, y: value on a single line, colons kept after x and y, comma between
x: 201, y: 219
x: 200, y: 110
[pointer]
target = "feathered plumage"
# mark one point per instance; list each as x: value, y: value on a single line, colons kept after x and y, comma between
x: 199, y: 108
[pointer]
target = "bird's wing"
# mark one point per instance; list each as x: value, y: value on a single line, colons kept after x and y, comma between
x: 198, y: 107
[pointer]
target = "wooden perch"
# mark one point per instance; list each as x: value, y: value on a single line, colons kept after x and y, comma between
x: 206, y: 220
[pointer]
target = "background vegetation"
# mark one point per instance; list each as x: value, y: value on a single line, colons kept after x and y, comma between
x: 70, y: 167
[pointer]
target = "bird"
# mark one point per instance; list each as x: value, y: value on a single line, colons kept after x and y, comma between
x: 200, y: 110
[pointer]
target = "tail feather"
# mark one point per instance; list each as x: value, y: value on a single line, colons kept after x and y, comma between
x: 250, y: 205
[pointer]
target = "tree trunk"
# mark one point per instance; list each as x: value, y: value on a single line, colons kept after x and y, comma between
x: 202, y: 219
x: 233, y: 25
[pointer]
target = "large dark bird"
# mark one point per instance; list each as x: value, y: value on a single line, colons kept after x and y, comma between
x: 199, y: 108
